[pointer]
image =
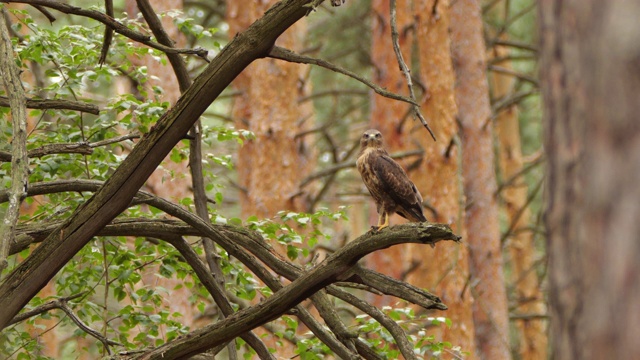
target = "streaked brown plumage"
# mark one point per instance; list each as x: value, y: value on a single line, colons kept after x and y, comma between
x: 387, y: 182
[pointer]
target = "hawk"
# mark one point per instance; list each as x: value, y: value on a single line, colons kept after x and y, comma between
x: 387, y: 182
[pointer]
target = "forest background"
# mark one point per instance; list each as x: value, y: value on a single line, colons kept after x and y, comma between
x: 178, y: 179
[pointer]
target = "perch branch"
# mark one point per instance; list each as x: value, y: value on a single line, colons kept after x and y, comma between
x: 335, y: 268
x: 231, y: 236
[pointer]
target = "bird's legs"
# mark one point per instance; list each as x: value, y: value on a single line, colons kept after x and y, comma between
x: 384, y: 224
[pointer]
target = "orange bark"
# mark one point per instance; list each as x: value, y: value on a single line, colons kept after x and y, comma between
x: 270, y: 166
x: 532, y: 338
x: 443, y: 270
x: 472, y: 96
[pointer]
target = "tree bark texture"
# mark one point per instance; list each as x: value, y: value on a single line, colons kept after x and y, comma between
x: 437, y: 174
x: 590, y: 72
x: 271, y: 166
x: 528, y: 297
x: 30, y: 276
x: 490, y: 310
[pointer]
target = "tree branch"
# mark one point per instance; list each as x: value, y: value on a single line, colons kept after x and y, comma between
x: 403, y: 67
x: 352, y: 164
x: 111, y: 23
x: 229, y: 237
x: 70, y: 148
x: 62, y: 304
x: 336, y: 267
x: 45, y: 104
x: 116, y: 194
x: 288, y: 55
x: 20, y: 161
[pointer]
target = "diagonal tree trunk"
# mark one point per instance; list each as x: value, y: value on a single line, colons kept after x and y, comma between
x: 30, y: 276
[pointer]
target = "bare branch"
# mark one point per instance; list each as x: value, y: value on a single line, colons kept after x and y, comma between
x: 288, y: 55
x: 62, y: 305
x: 405, y: 69
x: 352, y: 164
x: 521, y: 76
x: 515, y: 44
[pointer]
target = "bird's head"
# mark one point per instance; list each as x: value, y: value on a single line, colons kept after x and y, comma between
x: 371, y: 138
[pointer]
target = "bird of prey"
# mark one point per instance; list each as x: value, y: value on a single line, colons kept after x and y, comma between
x: 387, y: 182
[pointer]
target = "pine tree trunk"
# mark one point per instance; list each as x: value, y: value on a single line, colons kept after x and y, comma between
x: 529, y: 300
x: 271, y: 166
x: 472, y: 97
x: 443, y: 270
x: 590, y: 81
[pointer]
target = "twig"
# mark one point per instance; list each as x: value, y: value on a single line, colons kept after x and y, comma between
x: 108, y: 33
x: 521, y: 76
x: 62, y: 304
x: 19, y: 159
x: 405, y: 70
x: 529, y: 316
x: 515, y: 44
x: 510, y: 99
x: 508, y: 182
x: 288, y: 55
x: 515, y: 219
x: 351, y: 164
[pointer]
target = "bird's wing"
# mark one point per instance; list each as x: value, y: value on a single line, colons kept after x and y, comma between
x: 399, y: 187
